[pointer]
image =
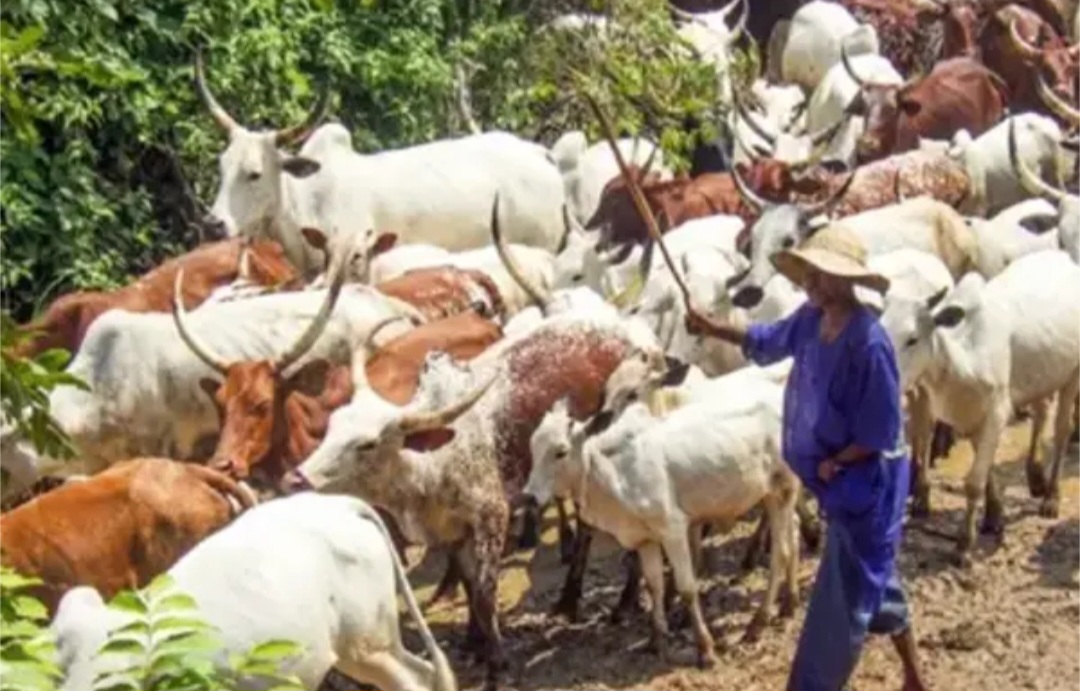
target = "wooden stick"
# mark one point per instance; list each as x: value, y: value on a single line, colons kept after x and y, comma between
x: 635, y: 193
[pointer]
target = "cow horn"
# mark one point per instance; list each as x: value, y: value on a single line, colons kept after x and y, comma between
x: 190, y: 339
x: 849, y: 68
x: 1057, y: 103
x: 740, y: 26
x: 243, y: 268
x: 221, y: 116
x: 420, y: 421
x: 748, y: 195
x: 751, y: 120
x: 825, y: 135
x: 1026, y: 50
x: 568, y: 221
x: 539, y: 297
x: 737, y: 137
x: 1030, y: 181
x: 289, y: 135
x: 826, y: 204
x: 318, y: 324
x: 368, y: 348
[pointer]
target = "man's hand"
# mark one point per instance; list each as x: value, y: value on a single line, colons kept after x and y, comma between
x: 827, y: 469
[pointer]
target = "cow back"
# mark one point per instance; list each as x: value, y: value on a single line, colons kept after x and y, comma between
x: 439, y: 292
x: 959, y: 93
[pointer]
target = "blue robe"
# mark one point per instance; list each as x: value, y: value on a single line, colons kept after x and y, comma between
x: 842, y: 393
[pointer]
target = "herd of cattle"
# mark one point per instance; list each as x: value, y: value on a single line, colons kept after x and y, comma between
x: 455, y: 334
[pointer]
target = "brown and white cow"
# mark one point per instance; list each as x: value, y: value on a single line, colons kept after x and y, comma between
x: 145, y: 513
x: 959, y: 93
x: 208, y: 267
x: 444, y: 291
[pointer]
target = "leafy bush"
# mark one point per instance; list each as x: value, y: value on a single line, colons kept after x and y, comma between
x: 106, y: 151
x: 163, y: 646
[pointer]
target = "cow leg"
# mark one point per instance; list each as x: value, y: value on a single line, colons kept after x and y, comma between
x: 1036, y: 477
x: 941, y: 442
x: 922, y: 450
x: 757, y: 544
x: 566, y: 533
x: 694, y: 535
x: 778, y: 522
x: 652, y: 566
x: 448, y: 584
x: 809, y: 525
x: 678, y: 552
x: 1076, y: 421
x: 480, y: 570
x: 570, y: 599
x: 388, y: 671
x: 530, y: 528
x: 631, y: 593
x: 1062, y: 422
x: 975, y: 484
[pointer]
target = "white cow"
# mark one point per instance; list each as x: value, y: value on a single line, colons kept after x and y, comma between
x: 1068, y: 205
x: 816, y: 32
x: 995, y: 184
x: 436, y: 193
x: 1004, y: 239
x: 587, y: 169
x: 145, y: 396
x: 919, y: 223
x: 317, y: 570
x: 711, y: 38
x: 988, y: 348
x: 777, y: 109
x: 648, y: 481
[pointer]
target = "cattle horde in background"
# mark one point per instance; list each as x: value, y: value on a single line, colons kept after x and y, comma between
x: 452, y: 332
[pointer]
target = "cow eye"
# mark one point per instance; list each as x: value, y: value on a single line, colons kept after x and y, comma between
x: 787, y: 242
x: 632, y: 396
x: 560, y: 454
x: 911, y: 342
x: 254, y: 175
x: 577, y: 278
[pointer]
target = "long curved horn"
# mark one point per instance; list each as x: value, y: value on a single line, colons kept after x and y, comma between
x: 849, y: 68
x: 191, y: 340
x: 220, y: 115
x: 1028, y: 179
x: 317, y: 325
x: 825, y: 134
x: 826, y: 204
x: 289, y: 135
x: 749, y: 196
x: 1026, y: 50
x: 1056, y: 103
x: 751, y: 120
x: 420, y: 421
x: 539, y: 297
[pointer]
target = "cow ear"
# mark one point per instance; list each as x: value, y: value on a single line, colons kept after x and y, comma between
x: 384, y: 243
x: 315, y: 237
x: 210, y: 386
x: 300, y: 167
x: 950, y: 316
x: 310, y: 379
x: 676, y: 372
x: 430, y: 439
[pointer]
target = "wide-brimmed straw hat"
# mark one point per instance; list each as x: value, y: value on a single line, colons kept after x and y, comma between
x: 833, y: 250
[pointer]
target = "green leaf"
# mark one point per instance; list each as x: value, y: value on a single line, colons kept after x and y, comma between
x: 276, y: 650
x: 128, y: 601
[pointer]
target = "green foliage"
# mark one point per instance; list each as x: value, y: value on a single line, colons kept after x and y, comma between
x: 163, y: 645
x: 26, y: 648
x: 107, y: 151
x: 24, y: 391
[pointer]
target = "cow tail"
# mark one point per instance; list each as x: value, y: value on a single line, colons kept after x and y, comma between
x: 226, y: 486
x: 444, y: 675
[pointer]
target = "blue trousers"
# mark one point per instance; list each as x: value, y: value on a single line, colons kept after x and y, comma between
x: 844, y: 607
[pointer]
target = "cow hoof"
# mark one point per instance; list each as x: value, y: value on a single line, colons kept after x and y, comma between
x: 992, y: 524
x: 1049, y: 508
x: 962, y: 558
x: 754, y: 629
x: 567, y: 608
x: 1036, y: 482
x: 788, y: 605
x: 566, y: 548
x: 706, y: 659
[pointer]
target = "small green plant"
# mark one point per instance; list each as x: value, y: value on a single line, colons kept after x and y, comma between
x: 163, y: 645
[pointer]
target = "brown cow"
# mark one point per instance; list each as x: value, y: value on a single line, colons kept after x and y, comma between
x: 444, y: 291
x: 144, y: 513
x: 673, y: 202
x: 1018, y: 45
x: 959, y: 93
x: 208, y: 266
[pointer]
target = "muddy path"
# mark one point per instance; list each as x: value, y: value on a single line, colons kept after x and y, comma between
x: 1010, y: 622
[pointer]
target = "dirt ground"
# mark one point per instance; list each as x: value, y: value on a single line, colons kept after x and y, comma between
x: 1009, y: 623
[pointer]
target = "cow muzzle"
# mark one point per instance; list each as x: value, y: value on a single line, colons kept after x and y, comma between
x: 214, y: 228
x: 294, y: 482
x: 747, y: 297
